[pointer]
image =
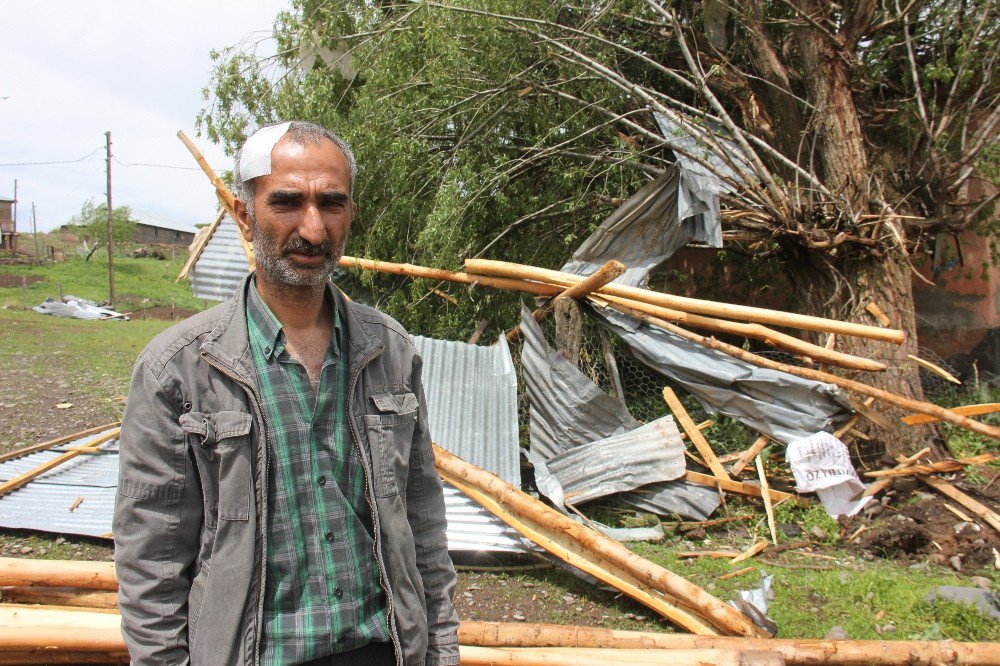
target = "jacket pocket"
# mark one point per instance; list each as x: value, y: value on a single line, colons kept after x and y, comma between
x: 221, y: 446
x: 390, y: 435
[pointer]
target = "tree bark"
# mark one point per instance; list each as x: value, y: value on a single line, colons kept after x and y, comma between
x: 841, y: 289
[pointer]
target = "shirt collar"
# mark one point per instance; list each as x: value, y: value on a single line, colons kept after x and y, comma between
x: 266, y: 331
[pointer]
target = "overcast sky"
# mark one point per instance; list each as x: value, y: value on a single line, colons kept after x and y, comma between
x: 71, y: 70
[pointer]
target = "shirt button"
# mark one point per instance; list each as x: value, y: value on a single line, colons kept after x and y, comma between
x: 337, y: 592
x: 267, y: 351
x: 342, y: 638
x: 329, y: 535
x: 321, y: 480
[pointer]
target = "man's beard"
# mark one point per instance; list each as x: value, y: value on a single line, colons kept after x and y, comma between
x: 276, y: 265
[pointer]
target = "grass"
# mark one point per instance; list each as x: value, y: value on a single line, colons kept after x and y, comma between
x: 139, y: 283
x: 857, y: 595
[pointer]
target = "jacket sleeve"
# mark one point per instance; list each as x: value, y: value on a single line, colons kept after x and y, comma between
x: 157, y: 520
x: 426, y: 514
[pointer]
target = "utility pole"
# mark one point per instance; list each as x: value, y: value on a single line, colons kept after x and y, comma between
x: 34, y: 228
x: 15, y: 211
x: 111, y: 245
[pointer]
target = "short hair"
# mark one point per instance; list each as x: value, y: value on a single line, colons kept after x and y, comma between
x: 299, y: 131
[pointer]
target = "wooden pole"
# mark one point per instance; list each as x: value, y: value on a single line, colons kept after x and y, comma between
x: 721, y: 615
x: 22, y: 479
x: 202, y: 243
x: 748, y: 489
x: 57, y: 573
x: 846, y: 384
x: 694, y: 434
x: 797, y: 652
x: 965, y: 410
x: 593, y: 282
x: 226, y: 197
x: 62, y: 596
x: 692, y: 305
x: 770, y: 336
x: 562, y: 656
x: 415, y: 271
x: 35, y: 448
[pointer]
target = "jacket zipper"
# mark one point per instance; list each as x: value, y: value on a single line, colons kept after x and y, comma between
x: 371, y: 505
x: 217, y: 364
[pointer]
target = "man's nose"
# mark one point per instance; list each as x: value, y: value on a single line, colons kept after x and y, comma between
x: 311, y: 228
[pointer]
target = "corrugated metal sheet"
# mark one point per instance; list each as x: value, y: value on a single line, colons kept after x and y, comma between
x: 222, y: 264
x: 651, y: 453
x: 684, y: 498
x: 44, y: 503
x: 471, y: 395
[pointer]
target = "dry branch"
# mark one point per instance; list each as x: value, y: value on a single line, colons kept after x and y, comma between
x: 940, y: 467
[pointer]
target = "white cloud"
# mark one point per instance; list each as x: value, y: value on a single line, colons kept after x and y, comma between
x: 76, y: 69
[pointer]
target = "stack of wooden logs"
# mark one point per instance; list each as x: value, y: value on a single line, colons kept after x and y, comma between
x: 62, y: 612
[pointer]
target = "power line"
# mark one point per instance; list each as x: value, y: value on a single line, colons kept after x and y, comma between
x: 158, y: 166
x: 14, y: 164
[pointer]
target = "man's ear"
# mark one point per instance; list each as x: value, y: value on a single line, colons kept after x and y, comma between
x: 243, y: 220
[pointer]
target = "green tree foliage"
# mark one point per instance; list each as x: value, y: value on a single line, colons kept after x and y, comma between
x: 92, y: 221
x: 511, y: 128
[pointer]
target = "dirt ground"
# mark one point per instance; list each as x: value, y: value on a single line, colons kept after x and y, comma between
x: 917, y: 526
x: 162, y: 312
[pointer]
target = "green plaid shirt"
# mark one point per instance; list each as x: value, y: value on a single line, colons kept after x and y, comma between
x: 322, y: 593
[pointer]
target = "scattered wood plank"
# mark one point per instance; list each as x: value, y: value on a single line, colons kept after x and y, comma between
x: 693, y: 305
x: 567, y: 539
x: 939, y: 467
x: 746, y: 456
x: 768, y: 509
x: 751, y: 551
x: 738, y: 572
x: 961, y: 516
x: 35, y: 448
x: 77, y: 502
x: 710, y: 554
x: 92, y: 447
x: 850, y: 423
x: 882, y: 484
x: 797, y: 652
x: 966, y: 410
x: 699, y: 441
x: 936, y: 369
x: 737, y: 487
x: 976, y: 507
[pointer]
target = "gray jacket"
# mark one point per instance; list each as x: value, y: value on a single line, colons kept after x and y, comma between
x: 191, y: 510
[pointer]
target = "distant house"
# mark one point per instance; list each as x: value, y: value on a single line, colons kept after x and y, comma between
x: 8, y: 229
x: 152, y: 228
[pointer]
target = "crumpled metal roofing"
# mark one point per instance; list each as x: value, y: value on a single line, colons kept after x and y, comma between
x: 44, y: 503
x: 569, y: 410
x: 471, y: 394
x: 650, y: 453
x: 222, y: 264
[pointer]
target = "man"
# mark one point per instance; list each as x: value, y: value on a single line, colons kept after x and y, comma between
x: 278, y: 502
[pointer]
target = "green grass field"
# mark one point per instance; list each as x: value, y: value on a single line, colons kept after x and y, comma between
x: 139, y: 283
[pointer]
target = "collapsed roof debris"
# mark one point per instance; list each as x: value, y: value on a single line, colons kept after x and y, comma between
x: 72, y: 307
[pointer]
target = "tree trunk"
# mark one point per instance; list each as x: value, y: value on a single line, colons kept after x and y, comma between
x: 841, y: 289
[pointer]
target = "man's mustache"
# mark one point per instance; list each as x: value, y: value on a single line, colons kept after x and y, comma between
x: 304, y: 247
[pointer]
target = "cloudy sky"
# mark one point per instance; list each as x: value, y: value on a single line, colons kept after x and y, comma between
x: 71, y: 70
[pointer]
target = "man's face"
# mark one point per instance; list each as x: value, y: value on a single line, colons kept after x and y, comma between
x: 302, y: 213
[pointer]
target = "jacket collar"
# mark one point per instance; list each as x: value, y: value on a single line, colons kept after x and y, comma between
x: 229, y: 342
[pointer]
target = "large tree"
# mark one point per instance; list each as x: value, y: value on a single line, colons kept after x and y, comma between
x: 850, y: 133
